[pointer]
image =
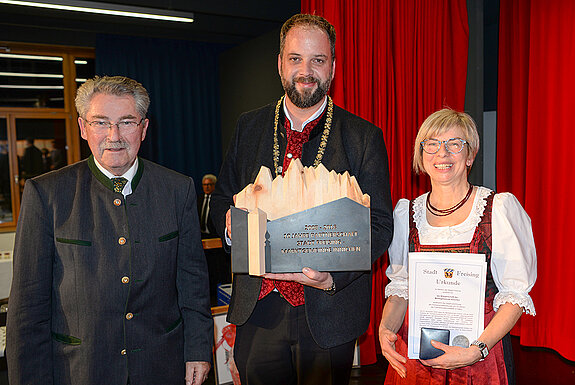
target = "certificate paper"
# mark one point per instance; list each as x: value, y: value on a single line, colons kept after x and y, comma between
x: 446, y: 291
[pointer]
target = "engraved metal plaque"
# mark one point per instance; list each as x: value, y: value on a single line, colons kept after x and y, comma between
x: 334, y: 236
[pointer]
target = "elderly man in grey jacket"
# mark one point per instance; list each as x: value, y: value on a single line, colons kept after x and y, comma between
x: 110, y: 280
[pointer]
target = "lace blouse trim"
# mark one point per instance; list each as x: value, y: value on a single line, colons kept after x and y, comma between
x: 523, y: 300
x: 397, y: 290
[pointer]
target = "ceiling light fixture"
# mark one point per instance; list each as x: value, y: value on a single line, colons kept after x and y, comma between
x: 107, y: 9
x: 31, y: 75
x: 29, y: 57
x: 25, y: 87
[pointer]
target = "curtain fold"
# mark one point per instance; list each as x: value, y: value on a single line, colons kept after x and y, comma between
x: 397, y: 61
x: 534, y: 144
x: 182, y: 79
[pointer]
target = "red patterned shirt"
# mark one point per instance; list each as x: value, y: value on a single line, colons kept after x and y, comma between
x: 291, y: 291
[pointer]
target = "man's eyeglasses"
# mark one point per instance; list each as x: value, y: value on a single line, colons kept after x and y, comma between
x: 453, y: 145
x: 125, y: 126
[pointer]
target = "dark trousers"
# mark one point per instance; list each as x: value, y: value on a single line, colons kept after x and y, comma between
x: 275, y: 347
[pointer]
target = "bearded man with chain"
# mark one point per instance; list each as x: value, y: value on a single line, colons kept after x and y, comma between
x: 300, y: 328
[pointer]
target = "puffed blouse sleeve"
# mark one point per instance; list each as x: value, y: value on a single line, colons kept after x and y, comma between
x: 513, y: 259
x: 398, y: 252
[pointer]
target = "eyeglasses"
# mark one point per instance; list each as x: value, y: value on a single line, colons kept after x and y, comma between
x: 125, y: 126
x: 453, y: 145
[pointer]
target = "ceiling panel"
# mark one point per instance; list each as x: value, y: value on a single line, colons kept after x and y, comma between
x: 217, y: 21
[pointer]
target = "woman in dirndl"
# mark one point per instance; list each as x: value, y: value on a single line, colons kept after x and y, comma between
x: 456, y: 216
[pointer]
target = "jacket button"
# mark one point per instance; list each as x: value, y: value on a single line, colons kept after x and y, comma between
x: 123, y: 352
x: 122, y: 240
x: 117, y: 202
x: 129, y: 316
x: 125, y: 279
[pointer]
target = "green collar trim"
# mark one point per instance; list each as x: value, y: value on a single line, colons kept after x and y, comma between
x: 107, y: 181
x: 138, y: 175
x: 99, y: 175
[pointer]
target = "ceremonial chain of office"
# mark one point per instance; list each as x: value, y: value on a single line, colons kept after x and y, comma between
x: 324, y: 136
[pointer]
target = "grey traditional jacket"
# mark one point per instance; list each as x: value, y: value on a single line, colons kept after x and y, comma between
x: 107, y: 287
x: 354, y: 145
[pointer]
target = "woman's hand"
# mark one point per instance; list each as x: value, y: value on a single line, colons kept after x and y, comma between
x: 454, y: 357
x: 387, y: 340
x: 391, y: 320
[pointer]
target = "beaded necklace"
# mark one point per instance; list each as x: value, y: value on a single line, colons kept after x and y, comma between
x: 322, y: 144
x: 452, y: 209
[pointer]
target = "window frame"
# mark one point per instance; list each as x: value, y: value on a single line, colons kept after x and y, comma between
x: 68, y: 113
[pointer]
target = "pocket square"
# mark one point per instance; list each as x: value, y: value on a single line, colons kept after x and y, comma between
x: 426, y: 350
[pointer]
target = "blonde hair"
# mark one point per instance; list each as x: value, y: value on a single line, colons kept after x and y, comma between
x: 440, y: 122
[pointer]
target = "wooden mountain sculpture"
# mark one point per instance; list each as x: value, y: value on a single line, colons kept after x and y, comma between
x: 300, y: 189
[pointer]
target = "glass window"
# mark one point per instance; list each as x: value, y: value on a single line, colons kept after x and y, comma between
x: 35, y: 81
x: 6, y: 214
x: 84, y: 70
x: 38, y: 121
x: 41, y: 146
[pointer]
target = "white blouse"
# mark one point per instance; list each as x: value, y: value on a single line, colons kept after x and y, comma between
x: 513, y: 258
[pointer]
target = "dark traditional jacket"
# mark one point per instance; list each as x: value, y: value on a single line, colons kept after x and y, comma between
x: 354, y: 145
x: 107, y: 287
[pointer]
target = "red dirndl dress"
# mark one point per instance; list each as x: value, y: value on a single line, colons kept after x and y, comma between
x: 492, y: 370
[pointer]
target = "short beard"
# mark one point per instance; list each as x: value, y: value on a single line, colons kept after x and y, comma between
x: 307, y: 98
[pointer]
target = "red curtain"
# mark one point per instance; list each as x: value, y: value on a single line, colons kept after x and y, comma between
x: 397, y: 61
x: 534, y: 144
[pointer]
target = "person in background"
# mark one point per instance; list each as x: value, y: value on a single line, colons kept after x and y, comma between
x: 219, y: 262
x: 456, y: 216
x: 206, y: 223
x: 32, y: 163
x: 301, y: 328
x: 110, y: 281
x: 58, y: 154
x: 46, y: 160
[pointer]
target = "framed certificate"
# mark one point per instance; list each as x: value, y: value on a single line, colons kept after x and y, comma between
x: 446, y: 291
